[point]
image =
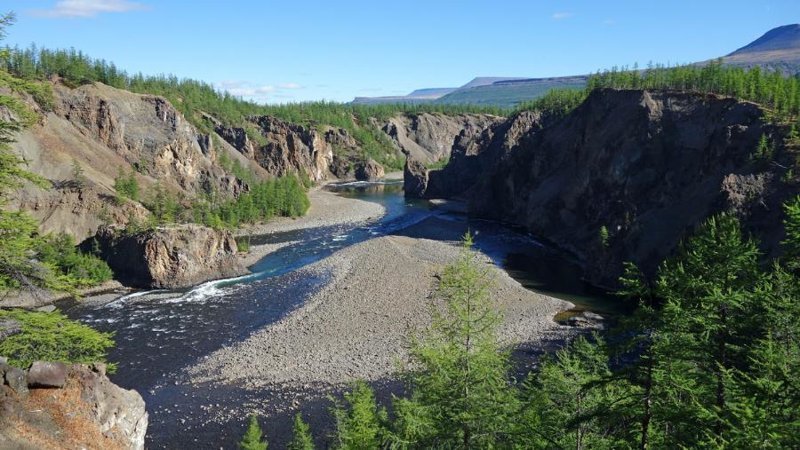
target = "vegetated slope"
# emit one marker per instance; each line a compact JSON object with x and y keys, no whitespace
{"x":778,"y":48}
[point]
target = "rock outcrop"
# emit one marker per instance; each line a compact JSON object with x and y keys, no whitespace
{"x":369,"y":170}
{"x":53,"y":405}
{"x":429,"y":137}
{"x":648,"y":166}
{"x":104,"y":130}
{"x":169,"y":257}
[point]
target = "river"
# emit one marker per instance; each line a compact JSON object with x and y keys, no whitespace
{"x":159,"y":333}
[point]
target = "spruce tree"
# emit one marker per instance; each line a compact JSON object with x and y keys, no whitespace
{"x":360,"y":423}
{"x":301,"y":435}
{"x":253,"y":437}
{"x":460,"y":396}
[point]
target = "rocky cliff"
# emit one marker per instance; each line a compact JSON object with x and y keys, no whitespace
{"x":433,"y":137}
{"x":169,"y":257}
{"x":103,"y":130}
{"x":646,"y":166}
{"x":52,"y":405}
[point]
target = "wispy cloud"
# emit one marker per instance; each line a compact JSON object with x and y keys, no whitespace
{"x":87,"y":8}
{"x":609,"y":22}
{"x":562,"y":15}
{"x":256,"y":91}
{"x":289,"y":86}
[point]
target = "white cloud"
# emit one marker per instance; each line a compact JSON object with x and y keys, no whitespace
{"x":88,"y":8}
{"x":609,"y":22}
{"x":257,"y":92}
{"x":562,"y":15}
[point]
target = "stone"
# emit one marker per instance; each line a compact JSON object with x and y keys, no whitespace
{"x":99,"y":368}
{"x":15,"y":379}
{"x":415,"y":178}
{"x":47,"y":374}
{"x":88,"y":412}
{"x":170,"y":257}
{"x":370,"y":171}
{"x":9,"y":327}
{"x":46,"y":308}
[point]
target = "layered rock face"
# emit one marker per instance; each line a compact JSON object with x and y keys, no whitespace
{"x":52,"y":405}
{"x":103,"y":130}
{"x":432,"y":137}
{"x":170,"y":257}
{"x":646,"y":166}
{"x":286,"y":147}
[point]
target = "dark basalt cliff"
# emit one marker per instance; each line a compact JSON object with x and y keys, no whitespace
{"x":646,"y":166}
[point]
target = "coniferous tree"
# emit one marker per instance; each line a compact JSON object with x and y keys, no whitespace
{"x":301,"y":435}
{"x":460,"y":396}
{"x":253,"y":436}
{"x":360,"y":423}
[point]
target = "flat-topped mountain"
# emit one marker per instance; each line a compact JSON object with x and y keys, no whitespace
{"x":777,"y":49}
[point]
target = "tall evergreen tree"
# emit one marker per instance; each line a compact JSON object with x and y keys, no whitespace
{"x":460,"y":396}
{"x":301,"y":435}
{"x":253,"y":436}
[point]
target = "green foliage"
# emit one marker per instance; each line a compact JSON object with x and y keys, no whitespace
{"x":126,"y":185}
{"x":52,"y":337}
{"x":283,"y":196}
{"x":438,"y":164}
{"x":78,"y":175}
{"x":17,"y":246}
{"x":566,"y":401}
{"x":791,"y":224}
{"x":301,"y":435}
{"x":252,"y":439}
{"x":73,"y":269}
{"x":459,"y":394}
{"x":769,"y":88}
{"x":163,"y":205}
{"x":360,"y":422}
{"x":603,"y":236}
{"x":556,"y":103}
{"x":243,"y":243}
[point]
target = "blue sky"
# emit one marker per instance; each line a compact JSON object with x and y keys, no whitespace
{"x":280,"y":51}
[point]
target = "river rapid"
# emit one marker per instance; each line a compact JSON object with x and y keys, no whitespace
{"x":161,"y":333}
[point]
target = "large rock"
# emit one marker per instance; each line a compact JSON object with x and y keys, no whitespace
{"x":415,"y":178}
{"x":648,"y":166}
{"x":88,"y":411}
{"x":431,"y":137}
{"x":170,"y":257}
{"x":47,"y":374}
{"x":370,"y":171}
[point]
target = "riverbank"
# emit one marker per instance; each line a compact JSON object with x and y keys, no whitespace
{"x":358,"y":325}
{"x":327,"y":209}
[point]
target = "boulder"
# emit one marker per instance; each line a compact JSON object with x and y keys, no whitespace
{"x":87,"y":411}
{"x":415,"y":178}
{"x":369,"y":170}
{"x":9,"y":327}
{"x":170,"y":257}
{"x":47,"y":374}
{"x":16,"y":380}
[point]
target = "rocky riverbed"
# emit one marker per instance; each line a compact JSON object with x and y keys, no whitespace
{"x":358,"y":325}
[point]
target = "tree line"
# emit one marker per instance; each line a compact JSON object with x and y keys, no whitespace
{"x":779,"y":93}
